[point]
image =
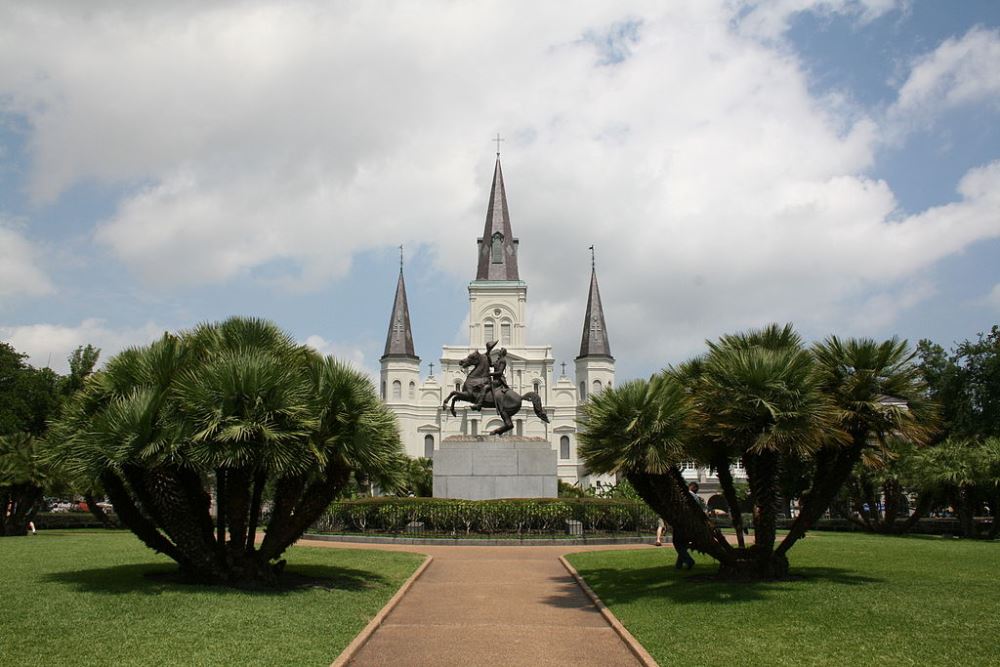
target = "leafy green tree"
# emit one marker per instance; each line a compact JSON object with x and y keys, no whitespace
{"x":416,"y":478}
{"x":960,"y":473}
{"x":29,"y":396}
{"x":25,"y":474}
{"x":214,"y":416}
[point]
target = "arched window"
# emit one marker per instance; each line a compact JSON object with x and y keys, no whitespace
{"x":428,"y":446}
{"x":497,"y":248}
{"x":413,"y":389}
{"x":383,"y":390}
{"x":564,"y":447}
{"x":397,"y":390}
{"x":596,"y":387}
{"x":536,"y":386}
{"x":583,"y":391}
{"x":505,"y":333}
{"x":458,"y":385}
{"x":488,"y":332}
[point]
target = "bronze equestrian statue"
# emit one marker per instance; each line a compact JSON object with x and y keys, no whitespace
{"x":489,"y":389}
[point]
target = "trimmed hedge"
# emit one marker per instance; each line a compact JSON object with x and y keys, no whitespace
{"x":514,"y":516}
{"x":61,"y":520}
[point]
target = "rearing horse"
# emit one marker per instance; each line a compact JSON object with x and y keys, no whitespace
{"x":508,"y":399}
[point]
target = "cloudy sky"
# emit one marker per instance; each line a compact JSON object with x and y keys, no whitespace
{"x":833,"y":163}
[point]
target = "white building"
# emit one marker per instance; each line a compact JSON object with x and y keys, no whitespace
{"x":497,"y":300}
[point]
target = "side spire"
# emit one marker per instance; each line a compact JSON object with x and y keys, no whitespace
{"x":594,"y":342}
{"x":497,"y":247}
{"x":399,"y":340}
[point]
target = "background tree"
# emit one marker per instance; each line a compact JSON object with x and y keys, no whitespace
{"x":28,"y":396}
{"x":25,"y":474}
{"x":223,"y":412}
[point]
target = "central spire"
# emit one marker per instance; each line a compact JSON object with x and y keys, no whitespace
{"x":497,"y":247}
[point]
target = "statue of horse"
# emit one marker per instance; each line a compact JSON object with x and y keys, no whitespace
{"x":508,"y":401}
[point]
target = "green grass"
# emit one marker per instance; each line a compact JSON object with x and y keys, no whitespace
{"x":862,"y":600}
{"x":83,"y":598}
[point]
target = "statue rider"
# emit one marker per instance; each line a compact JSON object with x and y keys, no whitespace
{"x":496,"y":378}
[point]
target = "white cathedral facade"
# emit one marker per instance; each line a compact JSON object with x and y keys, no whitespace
{"x":497,"y":300}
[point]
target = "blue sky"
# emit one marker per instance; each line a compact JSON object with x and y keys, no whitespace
{"x":834,"y":164}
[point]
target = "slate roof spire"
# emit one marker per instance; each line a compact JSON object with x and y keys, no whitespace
{"x":497,"y":247}
{"x":399,"y":339}
{"x":594,"y":342}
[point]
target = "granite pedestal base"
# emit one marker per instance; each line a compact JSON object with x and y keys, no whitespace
{"x":482,"y":467}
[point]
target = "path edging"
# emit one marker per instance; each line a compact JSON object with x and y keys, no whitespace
{"x":352,"y":649}
{"x":633,"y":644}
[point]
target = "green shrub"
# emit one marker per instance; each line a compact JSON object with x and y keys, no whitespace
{"x":514,"y":516}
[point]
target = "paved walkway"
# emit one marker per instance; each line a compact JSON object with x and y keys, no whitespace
{"x":492,"y":606}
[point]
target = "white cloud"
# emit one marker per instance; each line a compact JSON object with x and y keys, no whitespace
{"x":281,"y":140}
{"x":959,"y":72}
{"x":350,"y":354}
{"x":20,"y":274}
{"x":770,"y":18}
{"x":51,"y":344}
{"x":992,"y":299}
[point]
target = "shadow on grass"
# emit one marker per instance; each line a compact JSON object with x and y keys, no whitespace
{"x":154,"y":579}
{"x":618,"y":586}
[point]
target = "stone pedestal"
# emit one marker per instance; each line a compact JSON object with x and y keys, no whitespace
{"x":483,"y":467}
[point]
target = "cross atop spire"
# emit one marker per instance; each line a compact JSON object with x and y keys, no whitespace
{"x":594,"y":342}
{"x":498,"y":140}
{"x":399,"y":339}
{"x":498,"y":247}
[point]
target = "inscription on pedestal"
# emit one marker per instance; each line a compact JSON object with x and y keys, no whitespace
{"x":485,"y":467}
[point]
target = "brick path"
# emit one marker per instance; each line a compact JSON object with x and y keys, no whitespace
{"x":492,"y":606}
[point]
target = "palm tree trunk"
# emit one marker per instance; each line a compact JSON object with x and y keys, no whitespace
{"x":164,"y":496}
{"x":965,"y":512}
{"x":729,"y":493}
{"x":833,"y":466}
{"x":762,"y":471}
{"x":135,"y":521}
{"x":995,"y":507}
{"x":260,"y":479}
{"x":237,"y":509}
{"x":924,"y":503}
{"x":308,"y":508}
{"x":97,"y":511}
{"x":669,"y":497}
{"x":220,"y":509}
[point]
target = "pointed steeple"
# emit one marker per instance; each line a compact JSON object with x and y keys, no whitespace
{"x":497,"y":247}
{"x":399,"y":340}
{"x":594,"y":342}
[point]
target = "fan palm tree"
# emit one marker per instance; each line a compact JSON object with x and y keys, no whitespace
{"x":880,"y":398}
{"x":219,"y":414}
{"x":753,"y":397}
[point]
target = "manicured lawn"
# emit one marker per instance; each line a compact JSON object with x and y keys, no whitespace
{"x":83,"y":598}
{"x":863,"y":600}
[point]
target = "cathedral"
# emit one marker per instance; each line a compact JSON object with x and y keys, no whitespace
{"x":497,"y":300}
